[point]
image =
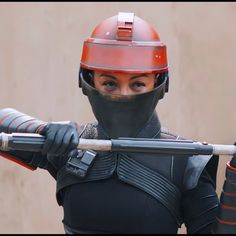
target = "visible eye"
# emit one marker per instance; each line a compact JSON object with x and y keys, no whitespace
{"x":109,"y":85}
{"x":138,"y":85}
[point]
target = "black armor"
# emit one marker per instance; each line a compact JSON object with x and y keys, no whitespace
{"x":163,"y":177}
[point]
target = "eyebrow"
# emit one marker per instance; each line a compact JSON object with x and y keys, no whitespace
{"x":110,"y":76}
{"x":137,"y":76}
{"x":133,"y":77}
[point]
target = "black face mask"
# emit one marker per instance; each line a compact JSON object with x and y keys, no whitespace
{"x":123,"y":116}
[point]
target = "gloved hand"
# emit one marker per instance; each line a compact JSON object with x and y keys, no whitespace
{"x":61,"y":138}
{"x":233,"y":160}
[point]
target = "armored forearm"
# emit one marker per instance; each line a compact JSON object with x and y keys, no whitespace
{"x":226,"y":215}
{"x":12,"y":120}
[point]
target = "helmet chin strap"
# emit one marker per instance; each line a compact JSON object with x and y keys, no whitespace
{"x":156,"y":80}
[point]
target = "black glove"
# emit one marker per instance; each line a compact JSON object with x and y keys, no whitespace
{"x":61,"y":138}
{"x":233,"y":160}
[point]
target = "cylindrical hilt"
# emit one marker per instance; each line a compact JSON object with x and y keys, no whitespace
{"x":21,"y":141}
{"x":34,"y":142}
{"x":162,"y":146}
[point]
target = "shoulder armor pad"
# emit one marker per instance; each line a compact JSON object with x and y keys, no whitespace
{"x":195,"y":164}
{"x":195,"y":167}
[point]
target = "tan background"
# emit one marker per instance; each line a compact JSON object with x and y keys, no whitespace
{"x":40,"y":49}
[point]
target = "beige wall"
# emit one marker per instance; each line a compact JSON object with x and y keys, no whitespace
{"x":40,"y":49}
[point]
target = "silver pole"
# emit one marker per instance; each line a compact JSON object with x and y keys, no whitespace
{"x":99,"y":144}
{"x":105,"y":145}
{"x":220,"y":149}
{"x":95,"y":144}
{"x":4,"y":141}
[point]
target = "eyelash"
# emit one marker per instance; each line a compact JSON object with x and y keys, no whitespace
{"x":109,"y":83}
{"x":139,"y":84}
{"x":113,"y":84}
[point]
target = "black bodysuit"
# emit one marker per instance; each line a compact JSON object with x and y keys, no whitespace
{"x":110,"y":204}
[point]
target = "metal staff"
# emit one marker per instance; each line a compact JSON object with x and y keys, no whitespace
{"x":34,"y":142}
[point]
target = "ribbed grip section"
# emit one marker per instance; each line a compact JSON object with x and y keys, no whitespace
{"x":13,"y":121}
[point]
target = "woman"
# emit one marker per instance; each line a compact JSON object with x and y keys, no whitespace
{"x":124,"y":73}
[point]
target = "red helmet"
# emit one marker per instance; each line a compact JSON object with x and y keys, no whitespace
{"x":124,"y":43}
